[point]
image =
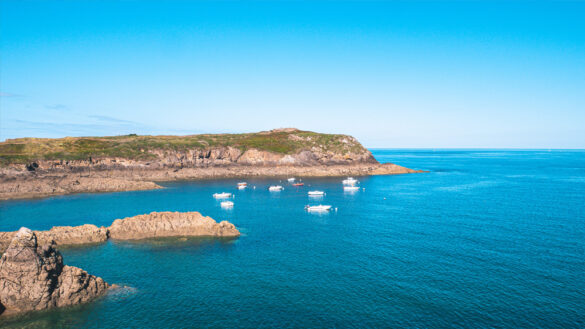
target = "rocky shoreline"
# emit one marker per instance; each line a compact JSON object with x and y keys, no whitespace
{"x":33,"y":276}
{"x":153,"y":225}
{"x":17,"y":184}
{"x":40,"y":167}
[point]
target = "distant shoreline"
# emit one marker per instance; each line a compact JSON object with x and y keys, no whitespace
{"x":37,"y":167}
{"x":32,"y":185}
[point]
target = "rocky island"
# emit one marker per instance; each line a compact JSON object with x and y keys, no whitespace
{"x":37,"y":167}
{"x":153,"y":225}
{"x":33,"y":278}
{"x":170,"y":224}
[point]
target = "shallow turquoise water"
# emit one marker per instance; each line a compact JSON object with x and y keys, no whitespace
{"x":487,"y":239}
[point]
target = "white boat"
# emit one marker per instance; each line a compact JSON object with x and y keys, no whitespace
{"x":223,"y":195}
{"x":275,"y":188}
{"x":227,"y":204}
{"x":318,"y":208}
{"x":316,"y":193}
{"x":292,"y":179}
{"x":351,"y":188}
{"x":242,"y":185}
{"x":349,"y":181}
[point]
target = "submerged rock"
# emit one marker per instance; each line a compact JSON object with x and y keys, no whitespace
{"x":170,"y":224}
{"x":33,"y":278}
{"x":62,"y":235}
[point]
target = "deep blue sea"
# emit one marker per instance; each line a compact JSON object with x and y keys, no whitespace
{"x":486,"y":239}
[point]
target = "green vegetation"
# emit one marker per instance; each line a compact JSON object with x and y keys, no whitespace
{"x":25,"y":150}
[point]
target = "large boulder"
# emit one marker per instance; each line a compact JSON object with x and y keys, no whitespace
{"x":170,"y":224}
{"x":33,"y":278}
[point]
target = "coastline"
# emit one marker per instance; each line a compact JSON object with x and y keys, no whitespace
{"x":40,"y":184}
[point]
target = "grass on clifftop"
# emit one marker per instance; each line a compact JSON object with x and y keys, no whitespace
{"x":286,"y":141}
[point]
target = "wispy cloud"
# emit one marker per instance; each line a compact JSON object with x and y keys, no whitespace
{"x":58,"y":107}
{"x":5,"y":94}
{"x":97,"y":126}
{"x":105,"y":118}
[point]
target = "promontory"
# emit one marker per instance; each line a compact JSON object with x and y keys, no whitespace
{"x":37,"y":167}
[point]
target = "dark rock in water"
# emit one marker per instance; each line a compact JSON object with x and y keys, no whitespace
{"x":33,"y":278}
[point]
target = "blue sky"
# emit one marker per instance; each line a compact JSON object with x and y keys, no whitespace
{"x":394,"y":74}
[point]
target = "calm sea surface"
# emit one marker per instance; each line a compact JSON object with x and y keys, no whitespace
{"x":486,"y":239}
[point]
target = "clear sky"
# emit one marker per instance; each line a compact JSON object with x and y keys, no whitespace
{"x":393,"y":74}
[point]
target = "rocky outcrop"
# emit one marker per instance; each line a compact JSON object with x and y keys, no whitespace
{"x":153,"y":225}
{"x":62,"y":235}
{"x":33,"y":277}
{"x":170,"y":224}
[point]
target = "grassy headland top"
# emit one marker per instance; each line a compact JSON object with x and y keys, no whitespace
{"x":284,"y":141}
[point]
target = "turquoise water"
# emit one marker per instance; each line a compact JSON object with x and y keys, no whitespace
{"x":487,"y":239}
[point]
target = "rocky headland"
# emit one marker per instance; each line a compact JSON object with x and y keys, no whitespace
{"x":34,"y":167}
{"x":33,"y":278}
{"x":153,"y":225}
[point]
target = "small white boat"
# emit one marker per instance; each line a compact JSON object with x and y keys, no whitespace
{"x":275,"y":188}
{"x":223,"y":195}
{"x":316,"y":193}
{"x":227,"y":204}
{"x":242,"y":185}
{"x":292,"y":179}
{"x":349,"y":181}
{"x":351,"y":188}
{"x":318,"y":208}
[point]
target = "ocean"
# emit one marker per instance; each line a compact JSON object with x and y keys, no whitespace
{"x":485,"y":239}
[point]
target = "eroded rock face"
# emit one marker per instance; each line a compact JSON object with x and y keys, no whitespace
{"x":170,"y":224}
{"x":62,"y":235}
{"x":33,"y":278}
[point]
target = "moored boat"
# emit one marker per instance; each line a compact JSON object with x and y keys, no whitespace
{"x":316,"y":193}
{"x":227,"y":204}
{"x":349,"y":181}
{"x":351,"y":188}
{"x":222,"y":195}
{"x":318,"y":208}
{"x":298,"y":184}
{"x":275,"y":188}
{"x":242,"y":185}
{"x":292,"y":179}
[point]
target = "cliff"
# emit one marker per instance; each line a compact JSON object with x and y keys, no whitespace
{"x":36,"y":167}
{"x":275,"y":147}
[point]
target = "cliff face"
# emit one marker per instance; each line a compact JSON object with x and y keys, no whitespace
{"x":33,"y":278}
{"x":36,"y":167}
{"x":284,"y":147}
